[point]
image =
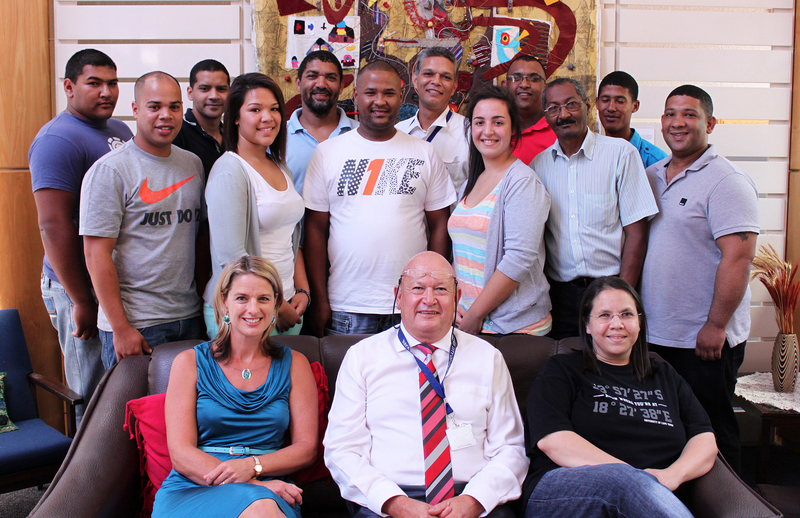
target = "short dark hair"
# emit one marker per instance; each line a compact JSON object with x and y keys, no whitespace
{"x":137,"y":86}
{"x":623,"y":79}
{"x":529,"y":59}
{"x":320,"y":55}
{"x":640,"y":356}
{"x":233,"y":105}
{"x":207,"y":65}
{"x":476,"y":164}
{"x":380,"y":65}
{"x":432,"y":52}
{"x":85,"y":57}
{"x":563,"y":81}
{"x":697,"y":93}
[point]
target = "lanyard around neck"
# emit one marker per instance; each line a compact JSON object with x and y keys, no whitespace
{"x":438,"y":386}
{"x":436,"y":131}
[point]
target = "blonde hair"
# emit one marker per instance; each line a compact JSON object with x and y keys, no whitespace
{"x":245,"y":265}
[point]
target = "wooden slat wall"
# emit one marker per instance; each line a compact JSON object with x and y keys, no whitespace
{"x":741,"y":52}
{"x":141,"y":37}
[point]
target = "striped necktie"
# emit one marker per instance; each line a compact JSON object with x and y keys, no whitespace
{"x":438,"y":469}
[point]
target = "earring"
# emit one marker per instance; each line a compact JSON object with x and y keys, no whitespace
{"x":226,"y":319}
{"x":273,"y":320}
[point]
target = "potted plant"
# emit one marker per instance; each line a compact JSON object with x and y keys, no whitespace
{"x":780,"y":279}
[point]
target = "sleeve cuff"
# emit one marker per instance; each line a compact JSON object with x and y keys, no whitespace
{"x":380,"y":493}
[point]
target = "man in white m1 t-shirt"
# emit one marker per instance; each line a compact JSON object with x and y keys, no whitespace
{"x":368,"y":194}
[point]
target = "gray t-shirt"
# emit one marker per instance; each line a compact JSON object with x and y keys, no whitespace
{"x":711,"y":199}
{"x":153,"y":206}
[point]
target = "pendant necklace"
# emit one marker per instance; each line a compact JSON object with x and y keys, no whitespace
{"x":247,"y":373}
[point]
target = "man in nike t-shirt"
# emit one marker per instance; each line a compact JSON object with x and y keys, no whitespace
{"x":140,"y":214}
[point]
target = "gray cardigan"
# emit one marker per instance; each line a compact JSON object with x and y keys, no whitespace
{"x":233,"y":217}
{"x":515,"y":246}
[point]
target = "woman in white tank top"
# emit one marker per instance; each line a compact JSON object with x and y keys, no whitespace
{"x":253,"y":207}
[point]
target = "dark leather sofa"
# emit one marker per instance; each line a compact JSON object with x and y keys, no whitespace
{"x":100,"y":475}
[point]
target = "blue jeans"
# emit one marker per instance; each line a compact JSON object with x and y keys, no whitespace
{"x":606,"y":490}
{"x":83,"y":365}
{"x":344,"y":323}
{"x":212,"y":329}
{"x":187,"y":329}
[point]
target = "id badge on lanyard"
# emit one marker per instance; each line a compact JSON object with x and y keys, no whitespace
{"x":458,"y":435}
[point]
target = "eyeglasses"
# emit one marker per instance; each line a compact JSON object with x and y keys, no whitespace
{"x":438,"y":275}
{"x":532,"y":78}
{"x":555,"y":109}
{"x":625,"y":317}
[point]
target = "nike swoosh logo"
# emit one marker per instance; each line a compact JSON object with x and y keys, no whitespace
{"x":148,"y":196}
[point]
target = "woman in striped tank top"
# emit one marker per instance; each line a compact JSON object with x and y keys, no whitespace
{"x":497,"y":227}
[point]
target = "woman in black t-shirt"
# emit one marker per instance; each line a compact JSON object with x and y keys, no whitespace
{"x":612,"y":432}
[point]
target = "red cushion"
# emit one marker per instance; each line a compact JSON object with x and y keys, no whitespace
{"x":149,"y":428}
{"x":318,"y":469}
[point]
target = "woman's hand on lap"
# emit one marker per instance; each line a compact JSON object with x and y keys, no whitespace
{"x":289,"y":492}
{"x":231,"y":471}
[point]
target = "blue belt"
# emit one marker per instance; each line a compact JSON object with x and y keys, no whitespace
{"x":237,"y":450}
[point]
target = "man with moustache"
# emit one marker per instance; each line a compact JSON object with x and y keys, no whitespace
{"x":525,"y":82}
{"x":63,"y":150}
{"x":695,"y":281}
{"x":425,"y":375}
{"x":617,"y":101}
{"x":600,"y":202}
{"x":434,"y":79}
{"x":319,"y":81}
{"x":201,"y":131}
{"x":368,"y":194}
{"x":141,"y":209}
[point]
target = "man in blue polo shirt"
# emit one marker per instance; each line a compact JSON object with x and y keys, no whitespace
{"x":319,"y":81}
{"x":617,"y":101}
{"x":63,"y":150}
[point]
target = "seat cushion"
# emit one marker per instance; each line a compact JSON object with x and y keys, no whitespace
{"x":34,"y":445}
{"x":145,"y":421}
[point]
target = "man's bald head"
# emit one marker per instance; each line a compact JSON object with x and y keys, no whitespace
{"x":157,"y":76}
{"x":427,"y":297}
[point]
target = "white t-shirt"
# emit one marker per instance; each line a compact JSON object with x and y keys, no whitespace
{"x":278,"y":214}
{"x":377,"y":194}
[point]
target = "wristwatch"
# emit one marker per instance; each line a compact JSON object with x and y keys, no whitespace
{"x":258,"y":466}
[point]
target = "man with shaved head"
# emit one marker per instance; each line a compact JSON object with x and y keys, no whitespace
{"x":368,"y":195}
{"x":393,"y":445}
{"x":141,"y":209}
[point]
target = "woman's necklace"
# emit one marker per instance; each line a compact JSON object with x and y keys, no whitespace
{"x":247,"y":373}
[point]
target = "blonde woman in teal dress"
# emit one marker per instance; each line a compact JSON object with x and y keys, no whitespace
{"x":243,"y":392}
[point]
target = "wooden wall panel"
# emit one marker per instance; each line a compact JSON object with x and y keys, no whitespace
{"x":177,"y":59}
{"x":150,"y":22}
{"x":763,"y":4}
{"x":737,"y":103}
{"x":25,"y":105}
{"x":770,"y":177}
{"x":751,"y":140}
{"x":684,"y":65}
{"x":706,"y":27}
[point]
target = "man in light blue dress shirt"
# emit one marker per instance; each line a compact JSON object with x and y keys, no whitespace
{"x":601,"y":200}
{"x":319,"y":81}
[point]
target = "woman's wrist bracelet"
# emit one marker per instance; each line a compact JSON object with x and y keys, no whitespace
{"x":307,"y":294}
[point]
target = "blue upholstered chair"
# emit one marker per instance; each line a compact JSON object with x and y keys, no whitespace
{"x":31,"y":455}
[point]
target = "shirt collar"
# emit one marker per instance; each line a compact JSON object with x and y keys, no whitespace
{"x":539,"y":126}
{"x":294,"y":126}
{"x":661,"y":167}
{"x":587,"y":147}
{"x":441,"y":120}
{"x":189,"y":117}
{"x":636,"y":140}
{"x":443,"y":343}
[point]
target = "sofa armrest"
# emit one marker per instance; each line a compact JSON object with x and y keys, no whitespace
{"x":100,"y":475}
{"x":720,"y":493}
{"x":64,"y":393}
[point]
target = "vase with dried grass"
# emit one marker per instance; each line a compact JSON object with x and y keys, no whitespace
{"x":780,"y":279}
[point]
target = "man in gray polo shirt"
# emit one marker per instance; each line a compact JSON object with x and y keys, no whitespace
{"x":696,"y":272}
